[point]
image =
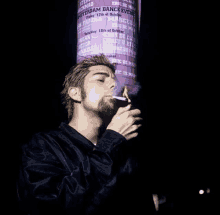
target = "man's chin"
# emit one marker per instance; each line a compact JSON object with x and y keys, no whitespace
{"x":107,"y":109}
{"x":107,"y":116}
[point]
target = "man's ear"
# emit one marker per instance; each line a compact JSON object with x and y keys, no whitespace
{"x":75,"y":94}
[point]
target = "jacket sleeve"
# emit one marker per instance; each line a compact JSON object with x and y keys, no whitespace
{"x":104,"y":158}
{"x":45,"y":186}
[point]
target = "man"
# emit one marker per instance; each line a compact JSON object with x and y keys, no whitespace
{"x":83,"y":167}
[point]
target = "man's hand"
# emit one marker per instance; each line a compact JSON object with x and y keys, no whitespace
{"x":123,"y":122}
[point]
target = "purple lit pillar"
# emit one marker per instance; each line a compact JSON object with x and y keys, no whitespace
{"x":110,"y":27}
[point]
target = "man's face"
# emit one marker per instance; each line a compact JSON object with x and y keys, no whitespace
{"x":98,"y":86}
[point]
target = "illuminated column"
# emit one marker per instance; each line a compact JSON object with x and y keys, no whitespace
{"x":110,"y":27}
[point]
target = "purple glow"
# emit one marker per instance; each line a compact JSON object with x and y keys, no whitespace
{"x":110,"y":27}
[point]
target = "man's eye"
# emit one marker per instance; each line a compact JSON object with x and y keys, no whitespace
{"x":101,"y":80}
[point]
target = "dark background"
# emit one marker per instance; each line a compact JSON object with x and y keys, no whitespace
{"x":177,"y":136}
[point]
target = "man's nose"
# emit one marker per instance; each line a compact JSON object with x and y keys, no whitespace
{"x":110,"y":88}
{"x":112,"y":85}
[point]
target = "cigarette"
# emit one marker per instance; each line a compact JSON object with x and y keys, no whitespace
{"x":120,"y":98}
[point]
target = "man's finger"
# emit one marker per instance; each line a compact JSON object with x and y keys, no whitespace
{"x":123,"y":109}
{"x":138,"y":119}
{"x":134,"y":112}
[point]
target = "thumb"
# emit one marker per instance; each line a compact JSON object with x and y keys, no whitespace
{"x":123,"y":109}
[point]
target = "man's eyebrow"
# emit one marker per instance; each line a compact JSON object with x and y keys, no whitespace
{"x":103,"y":73}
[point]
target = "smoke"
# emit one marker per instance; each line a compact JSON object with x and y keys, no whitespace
{"x":118,"y":90}
{"x":132,"y":89}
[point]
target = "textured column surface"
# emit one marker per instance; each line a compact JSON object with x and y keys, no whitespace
{"x":110,"y":27}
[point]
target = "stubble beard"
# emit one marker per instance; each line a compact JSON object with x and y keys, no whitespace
{"x":107,"y":109}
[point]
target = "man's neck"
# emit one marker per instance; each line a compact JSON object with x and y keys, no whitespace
{"x":87,"y":125}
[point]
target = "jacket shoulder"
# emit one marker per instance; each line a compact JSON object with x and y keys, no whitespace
{"x":43,"y":135}
{"x":41,"y":144}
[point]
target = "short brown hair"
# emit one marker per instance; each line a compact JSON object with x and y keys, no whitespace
{"x":76,"y":77}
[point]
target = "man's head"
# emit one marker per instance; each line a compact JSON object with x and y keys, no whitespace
{"x":89,"y":84}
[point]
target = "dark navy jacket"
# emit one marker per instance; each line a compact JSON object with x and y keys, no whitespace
{"x":62,"y":172}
